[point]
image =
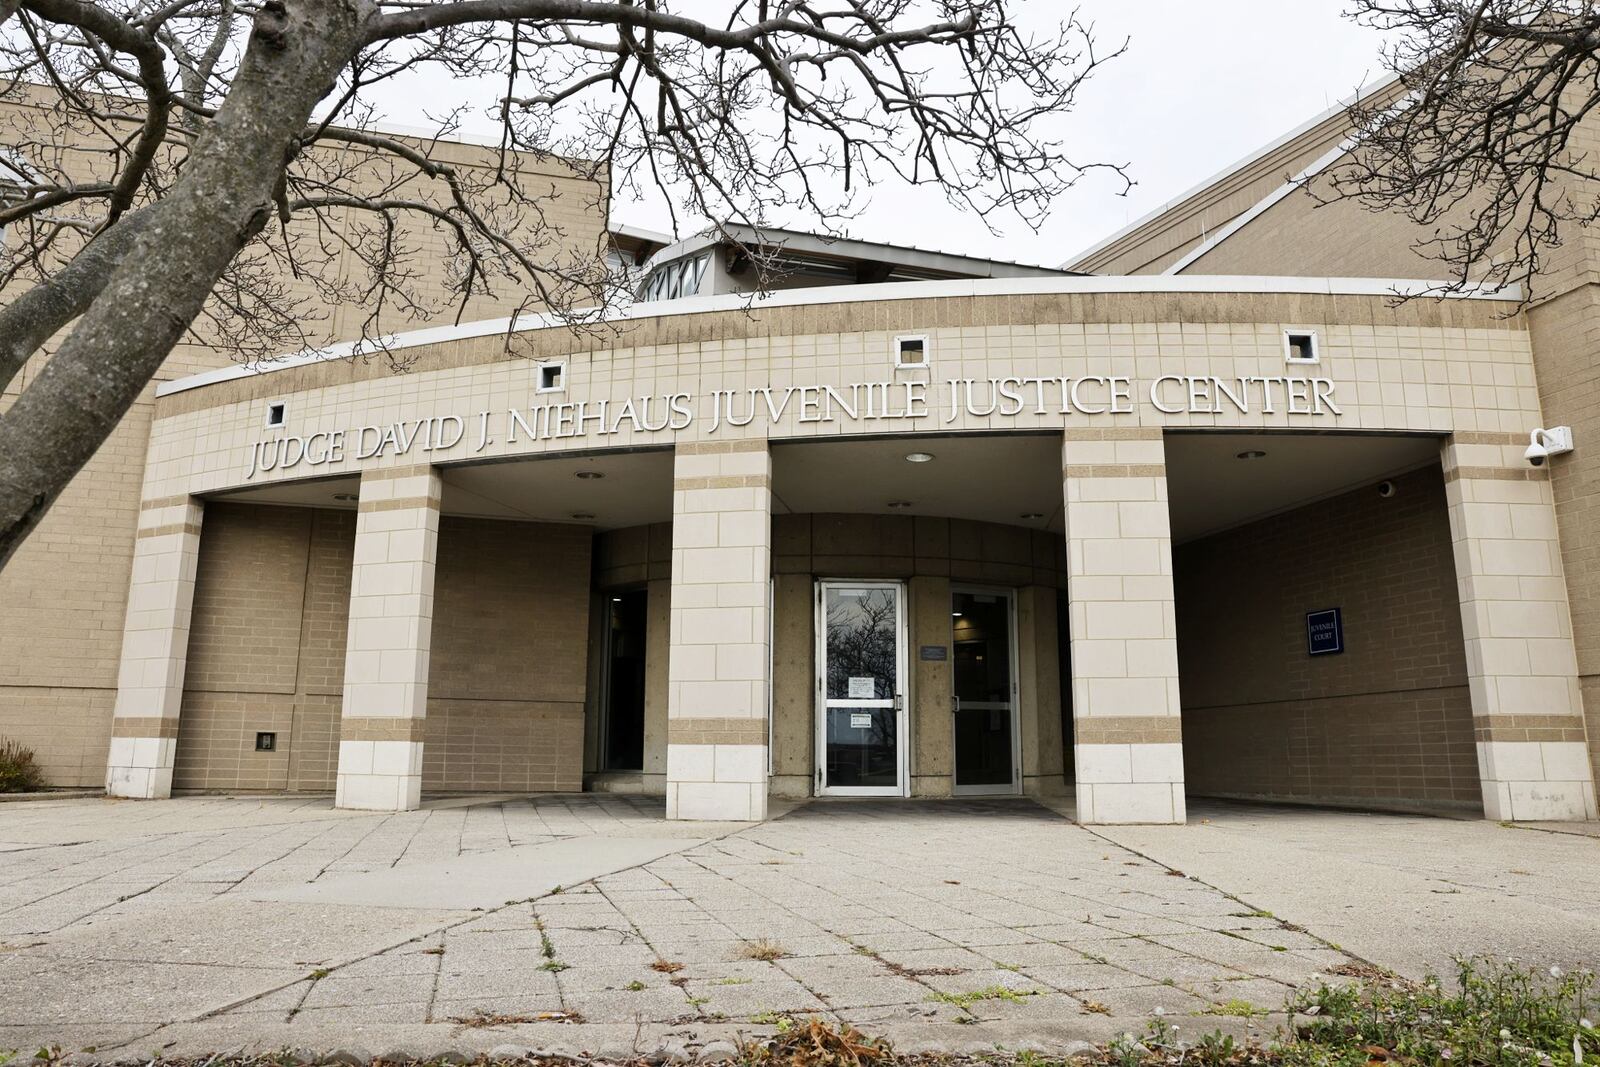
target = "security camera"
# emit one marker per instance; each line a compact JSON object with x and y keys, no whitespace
{"x":1386,"y":489}
{"x":1544,"y":443}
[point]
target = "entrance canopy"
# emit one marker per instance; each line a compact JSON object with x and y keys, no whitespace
{"x":1216,"y":481}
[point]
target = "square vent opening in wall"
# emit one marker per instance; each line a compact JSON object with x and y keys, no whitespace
{"x":552,"y":377}
{"x":911,"y":350}
{"x":277,"y":411}
{"x":1300,"y":346}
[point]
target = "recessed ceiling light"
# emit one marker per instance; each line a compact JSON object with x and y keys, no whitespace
{"x":589,"y":476}
{"x":919,"y":457}
{"x":955,"y":614}
{"x":347,"y":497}
{"x":898,"y":504}
{"x":582,"y":516}
{"x":1031,"y":515}
{"x":1254,"y":453}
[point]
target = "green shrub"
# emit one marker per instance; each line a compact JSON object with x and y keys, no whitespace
{"x":18,"y":772}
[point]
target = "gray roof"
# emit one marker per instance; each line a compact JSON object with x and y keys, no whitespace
{"x":903,"y":261}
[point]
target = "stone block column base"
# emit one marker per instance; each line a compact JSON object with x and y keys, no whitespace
{"x":1536,"y":781}
{"x":379,"y":775}
{"x":140,"y":768}
{"x":1132,"y":783}
{"x":717,"y":782}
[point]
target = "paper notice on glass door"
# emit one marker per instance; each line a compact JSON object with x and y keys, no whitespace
{"x":862,"y":689}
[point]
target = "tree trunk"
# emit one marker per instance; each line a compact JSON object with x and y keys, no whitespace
{"x":182,"y":245}
{"x":35,"y":316}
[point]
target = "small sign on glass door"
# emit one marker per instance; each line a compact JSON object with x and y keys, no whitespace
{"x":862,"y":689}
{"x":861,"y":720}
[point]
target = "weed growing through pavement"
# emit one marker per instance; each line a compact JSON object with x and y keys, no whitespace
{"x":994,"y":992}
{"x":547,"y":949}
{"x":1216,"y":1049}
{"x":1497,"y":1012}
{"x":762,"y":949}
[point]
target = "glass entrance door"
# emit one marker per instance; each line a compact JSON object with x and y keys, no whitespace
{"x":623,"y":737}
{"x":861,"y":749}
{"x":984,"y":691}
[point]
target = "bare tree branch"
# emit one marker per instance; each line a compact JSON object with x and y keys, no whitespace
{"x":1481,"y":146}
{"x":214,"y":172}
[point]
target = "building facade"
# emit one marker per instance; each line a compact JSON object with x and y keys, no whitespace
{"x":921,"y":526}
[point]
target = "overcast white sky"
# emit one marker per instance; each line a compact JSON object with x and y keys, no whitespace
{"x":1204,"y":83}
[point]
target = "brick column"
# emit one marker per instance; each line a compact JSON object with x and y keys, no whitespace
{"x":1128,"y":744}
{"x":1521,"y":666}
{"x":155,"y":649}
{"x":718,"y":662}
{"x":391,"y":630}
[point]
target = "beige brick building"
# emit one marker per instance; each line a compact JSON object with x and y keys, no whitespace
{"x":1219,"y":519}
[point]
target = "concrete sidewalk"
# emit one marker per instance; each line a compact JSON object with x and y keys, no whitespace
{"x":1407,"y":892}
{"x":590,"y":923}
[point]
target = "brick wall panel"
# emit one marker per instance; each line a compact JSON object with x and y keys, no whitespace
{"x":1390,"y":718}
{"x":64,"y":596}
{"x":249,"y":592}
{"x":268,"y":643}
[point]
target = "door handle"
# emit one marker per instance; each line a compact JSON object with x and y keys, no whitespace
{"x":955,"y":705}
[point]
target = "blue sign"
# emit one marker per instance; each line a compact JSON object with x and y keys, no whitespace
{"x":1324,"y":632}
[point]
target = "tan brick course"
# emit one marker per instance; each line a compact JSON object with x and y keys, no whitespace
{"x":715,"y":731}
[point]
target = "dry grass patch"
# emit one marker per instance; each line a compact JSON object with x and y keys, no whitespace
{"x":814,"y":1043}
{"x":765,"y":950}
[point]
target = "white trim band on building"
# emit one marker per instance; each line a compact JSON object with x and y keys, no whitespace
{"x":851,"y":294}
